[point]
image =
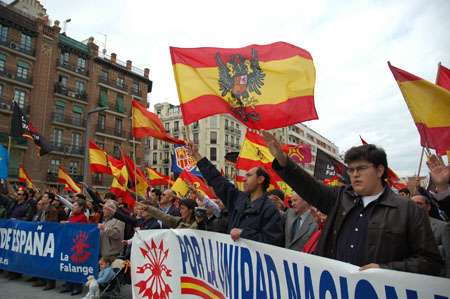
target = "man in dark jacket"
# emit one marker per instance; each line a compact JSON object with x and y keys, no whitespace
{"x":368,"y":224}
{"x":252,"y":215}
{"x":19,"y":207}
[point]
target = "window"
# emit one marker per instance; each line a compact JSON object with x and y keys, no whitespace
{"x":213,"y":154}
{"x":167,"y":127}
{"x":158,"y":112}
{"x":101,"y":120}
{"x":120,"y":83}
{"x":175,"y":126}
{"x":166,"y":171}
{"x":213,"y":137}
{"x":64,"y":58}
{"x":232,"y":140}
{"x":226,"y":139}
{"x":118,"y":126}
{"x":2,"y":62}
{"x":54,"y":165}
{"x":25,"y":43}
{"x":57,"y":137}
{"x":213,"y":122}
{"x":116,"y":152}
{"x":120,"y":107}
{"x":76,"y":119}
{"x":103,"y":75}
{"x":196,"y":125}
{"x":196,"y":138}
{"x":135,"y":87}
{"x":22,"y":69}
{"x":155,"y":144}
{"x":166,"y":156}
{"x":79,"y":86}
{"x":103,"y":98}
{"x":155,"y":158}
{"x":73,"y":168}
{"x":1,"y":91}
{"x":75,"y":140}
{"x":81,"y":64}
{"x":100,"y":145}
{"x":226,"y":124}
{"x":59,"y":110}
{"x":19,"y":96}
{"x":3,"y":34}
{"x":63,"y":80}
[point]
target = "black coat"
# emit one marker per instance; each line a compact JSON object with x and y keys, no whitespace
{"x":27,"y":211}
{"x":261,"y":222}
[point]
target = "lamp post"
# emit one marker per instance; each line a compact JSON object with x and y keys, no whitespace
{"x":86,"y":140}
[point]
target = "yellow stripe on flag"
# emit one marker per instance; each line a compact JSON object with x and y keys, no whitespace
{"x":188,"y":285}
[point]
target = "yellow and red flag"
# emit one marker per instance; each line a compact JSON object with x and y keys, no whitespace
{"x":98,"y":159}
{"x":117,"y":168}
{"x":136,"y":175}
{"x":443,"y":77}
{"x":146,"y":123}
{"x":180,"y":185}
{"x":65,"y":178}
{"x":119,"y":187}
{"x":429,"y":105}
{"x":263,"y":86}
{"x":158,"y":179}
{"x":24,"y":178}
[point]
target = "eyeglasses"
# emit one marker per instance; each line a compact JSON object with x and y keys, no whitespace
{"x":359,"y":169}
{"x":21,"y":194}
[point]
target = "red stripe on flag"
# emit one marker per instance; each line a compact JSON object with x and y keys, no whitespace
{"x":436,"y":137}
{"x":208,"y":105}
{"x":201,"y":283}
{"x":271,"y":52}
{"x":401,"y":75}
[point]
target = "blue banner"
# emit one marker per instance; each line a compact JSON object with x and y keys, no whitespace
{"x":67,"y":252}
{"x":181,"y":160}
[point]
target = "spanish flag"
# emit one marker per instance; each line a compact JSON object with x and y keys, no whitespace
{"x":443,"y":77}
{"x":146,"y":123}
{"x":119,"y":185}
{"x":136,"y":175}
{"x":199,"y":288}
{"x":24,"y":178}
{"x":64,"y":177}
{"x":158,"y":179}
{"x":429,"y":105}
{"x":118,"y":169}
{"x":180,"y":185}
{"x":263,"y":86}
{"x":98,"y":159}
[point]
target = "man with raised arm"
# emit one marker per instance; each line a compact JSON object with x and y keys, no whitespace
{"x":252,"y":215}
{"x":368,"y":224}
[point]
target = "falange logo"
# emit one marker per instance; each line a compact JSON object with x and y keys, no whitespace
{"x":79,"y":255}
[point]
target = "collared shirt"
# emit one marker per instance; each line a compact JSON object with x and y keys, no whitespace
{"x":351,"y":242}
{"x":166,"y":209}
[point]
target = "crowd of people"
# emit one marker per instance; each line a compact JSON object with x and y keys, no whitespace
{"x":364,"y":223}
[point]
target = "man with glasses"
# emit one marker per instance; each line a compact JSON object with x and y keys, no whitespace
{"x":368,"y":224}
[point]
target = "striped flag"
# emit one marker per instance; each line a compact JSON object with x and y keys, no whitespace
{"x":146,"y":123}
{"x":64,"y":177}
{"x":429,"y":105}
{"x":443,"y":77}
{"x":24,"y":178}
{"x":158,"y":179}
{"x":136,"y":175}
{"x":180,"y":185}
{"x":263,"y":86}
{"x":98,"y":159}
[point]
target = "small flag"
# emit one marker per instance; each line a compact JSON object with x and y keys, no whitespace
{"x":180,"y":185}
{"x":24,"y":178}
{"x":136,"y":175}
{"x":64,"y":177}
{"x":327,"y":168}
{"x":98,"y":159}
{"x":22,"y":127}
{"x":158,"y":179}
{"x":182,"y":160}
{"x":146,"y":123}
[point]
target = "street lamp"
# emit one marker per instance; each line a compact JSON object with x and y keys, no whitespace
{"x":86,"y":140}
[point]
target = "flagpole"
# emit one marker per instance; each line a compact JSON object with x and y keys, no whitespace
{"x":439,"y":70}
{"x":420,"y":165}
{"x":135,"y":176}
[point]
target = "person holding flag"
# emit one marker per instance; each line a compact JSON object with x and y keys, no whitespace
{"x":368,"y":224}
{"x":252,"y":215}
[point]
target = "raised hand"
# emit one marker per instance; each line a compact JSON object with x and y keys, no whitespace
{"x":440,"y":173}
{"x":275,"y":147}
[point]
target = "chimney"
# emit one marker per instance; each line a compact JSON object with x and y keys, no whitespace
{"x":93,"y":48}
{"x":146,"y":72}
{"x":113,"y":57}
{"x":129,"y":63}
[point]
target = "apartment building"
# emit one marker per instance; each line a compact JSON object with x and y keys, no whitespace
{"x":58,"y":82}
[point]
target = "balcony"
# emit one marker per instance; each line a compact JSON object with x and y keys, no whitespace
{"x":12,"y":74}
{"x":75,"y":94}
{"x":72,"y":67}
{"x":135,"y":92}
{"x":68,"y":149}
{"x":61,"y":118}
{"x":111,"y":131}
{"x":112,"y":83}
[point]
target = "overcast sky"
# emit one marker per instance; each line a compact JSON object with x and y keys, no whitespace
{"x":350,"y":42}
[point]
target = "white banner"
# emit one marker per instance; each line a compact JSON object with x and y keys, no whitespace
{"x":189,"y":263}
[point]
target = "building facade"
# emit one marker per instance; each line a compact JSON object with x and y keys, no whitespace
{"x":58,"y":81}
{"x":221,"y":134}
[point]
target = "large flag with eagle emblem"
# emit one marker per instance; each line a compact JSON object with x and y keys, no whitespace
{"x":263,"y":86}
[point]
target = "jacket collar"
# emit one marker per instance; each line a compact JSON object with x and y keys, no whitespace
{"x":387,"y":198}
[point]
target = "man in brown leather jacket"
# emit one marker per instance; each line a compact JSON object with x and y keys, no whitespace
{"x":368,"y":224}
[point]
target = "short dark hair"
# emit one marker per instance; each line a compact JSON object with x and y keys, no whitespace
{"x":157,"y":192}
{"x":110,"y":195}
{"x":276,"y":192}
{"x":405,"y":190}
{"x":370,"y":153}
{"x":262,"y":172}
{"x":107,"y":259}
{"x":51,"y":196}
{"x":81,"y":196}
{"x":82,"y":204}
